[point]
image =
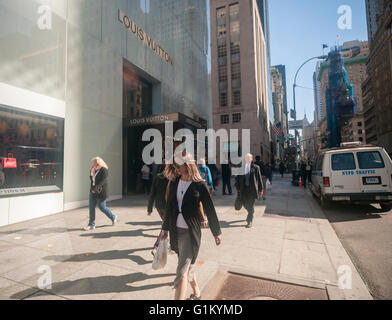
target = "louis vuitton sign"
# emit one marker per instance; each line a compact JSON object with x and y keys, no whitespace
{"x":143,"y":36}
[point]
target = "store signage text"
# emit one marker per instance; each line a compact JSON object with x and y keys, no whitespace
{"x":143,"y":36}
{"x":157,"y":119}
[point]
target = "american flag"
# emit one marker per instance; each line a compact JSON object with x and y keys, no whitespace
{"x":278,"y":129}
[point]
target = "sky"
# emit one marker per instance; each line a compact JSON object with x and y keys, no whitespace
{"x":298,"y":29}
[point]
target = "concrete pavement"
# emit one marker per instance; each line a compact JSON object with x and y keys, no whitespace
{"x":291,"y":241}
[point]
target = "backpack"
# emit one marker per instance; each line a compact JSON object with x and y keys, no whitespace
{"x":203,"y":173}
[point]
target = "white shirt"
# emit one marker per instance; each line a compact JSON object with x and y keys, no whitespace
{"x":181,"y":190}
{"x":247,"y":168}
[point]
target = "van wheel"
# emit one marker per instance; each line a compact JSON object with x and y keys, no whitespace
{"x":386,"y":206}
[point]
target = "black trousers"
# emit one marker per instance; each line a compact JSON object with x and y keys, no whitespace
{"x":226,"y":182}
{"x":248,"y":200}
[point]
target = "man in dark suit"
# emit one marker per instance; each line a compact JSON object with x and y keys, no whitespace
{"x":249,"y":187}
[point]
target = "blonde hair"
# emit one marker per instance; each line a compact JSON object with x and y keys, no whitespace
{"x":170,"y":172}
{"x":100,"y":162}
{"x":191,"y":167}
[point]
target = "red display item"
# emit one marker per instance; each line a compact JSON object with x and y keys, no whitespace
{"x":9,"y":162}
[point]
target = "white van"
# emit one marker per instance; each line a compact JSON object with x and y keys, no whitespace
{"x":357,"y":173}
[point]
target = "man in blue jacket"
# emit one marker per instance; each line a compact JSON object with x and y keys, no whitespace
{"x":206,"y":174}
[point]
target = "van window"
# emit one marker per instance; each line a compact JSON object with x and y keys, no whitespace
{"x":370,"y":160}
{"x":343,"y":161}
{"x":319,"y":166}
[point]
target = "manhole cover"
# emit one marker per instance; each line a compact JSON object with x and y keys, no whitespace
{"x":237,"y":287}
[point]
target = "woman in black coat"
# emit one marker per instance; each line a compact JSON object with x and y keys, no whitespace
{"x":99,"y":191}
{"x":182,"y":221}
{"x":158,"y":194}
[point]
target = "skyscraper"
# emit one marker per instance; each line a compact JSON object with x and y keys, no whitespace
{"x":355,"y":54}
{"x":282,"y":71}
{"x":318,"y":106}
{"x":373,"y":10}
{"x":240,"y":90}
{"x":377,"y":89}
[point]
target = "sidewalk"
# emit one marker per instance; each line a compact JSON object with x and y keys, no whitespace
{"x":291,"y":241}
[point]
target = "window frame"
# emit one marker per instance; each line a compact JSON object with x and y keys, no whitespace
{"x":343,"y":154}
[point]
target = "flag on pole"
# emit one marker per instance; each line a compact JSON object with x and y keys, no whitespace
{"x":278,"y":129}
{"x":325,"y":46}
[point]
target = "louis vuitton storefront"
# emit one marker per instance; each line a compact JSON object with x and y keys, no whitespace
{"x":80,"y":79}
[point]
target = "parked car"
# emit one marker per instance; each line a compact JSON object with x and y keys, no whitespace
{"x":353,"y":173}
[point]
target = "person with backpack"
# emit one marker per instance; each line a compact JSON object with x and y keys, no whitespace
{"x":205,"y":173}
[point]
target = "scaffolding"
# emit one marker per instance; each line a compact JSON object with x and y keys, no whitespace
{"x":340,"y":99}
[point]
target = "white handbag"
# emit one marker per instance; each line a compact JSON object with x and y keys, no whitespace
{"x":160,"y":258}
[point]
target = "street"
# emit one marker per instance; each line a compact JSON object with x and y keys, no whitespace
{"x":366,"y":233}
{"x":291,"y":243}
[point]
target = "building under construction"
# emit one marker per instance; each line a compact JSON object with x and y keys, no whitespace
{"x":340,"y":99}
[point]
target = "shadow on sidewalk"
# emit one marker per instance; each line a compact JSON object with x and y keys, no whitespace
{"x":100,"y":285}
{"x":40,"y":231}
{"x":131,"y":233}
{"x":104,"y":255}
{"x":145,"y":223}
{"x":230,"y":224}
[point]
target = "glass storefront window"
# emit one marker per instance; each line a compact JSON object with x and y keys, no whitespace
{"x":31,"y":152}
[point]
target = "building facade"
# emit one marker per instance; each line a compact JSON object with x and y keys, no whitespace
{"x":373,"y":11}
{"x":239,"y":77}
{"x":355,"y":54}
{"x":278,"y":95}
{"x":308,"y":140}
{"x":80,"y":79}
{"x":282,"y":71}
{"x":377,"y":89}
{"x":318,"y":106}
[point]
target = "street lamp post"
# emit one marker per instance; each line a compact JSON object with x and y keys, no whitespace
{"x":295,"y":108}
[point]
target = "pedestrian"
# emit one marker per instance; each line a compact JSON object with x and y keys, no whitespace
{"x":269,"y":172}
{"x":158,"y":194}
{"x":215,"y":175}
{"x":282,"y":168}
{"x":146,"y":176}
{"x":304,"y":174}
{"x":264,"y":174}
{"x":99,"y":192}
{"x":226,"y":179}
{"x":249,"y":187}
{"x":205,"y":173}
{"x":309,"y":168}
{"x":182,"y":221}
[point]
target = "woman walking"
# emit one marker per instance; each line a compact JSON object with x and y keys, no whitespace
{"x":159,"y":193}
{"x":99,"y":191}
{"x":182,"y":221}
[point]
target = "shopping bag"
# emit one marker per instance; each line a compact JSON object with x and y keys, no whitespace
{"x":269,"y":185}
{"x":238,"y":203}
{"x":9,"y":162}
{"x":160,"y":258}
